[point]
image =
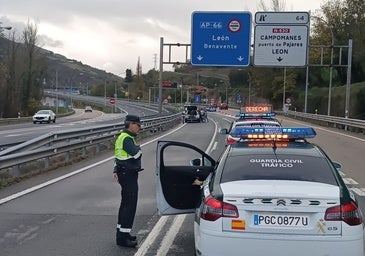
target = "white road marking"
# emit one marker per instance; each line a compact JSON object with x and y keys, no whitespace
{"x":151,"y":236}
{"x":350,"y":181}
{"x":170,"y":235}
{"x":358,"y":191}
{"x":175,"y":227}
{"x":214,"y":146}
{"x":29,"y":190}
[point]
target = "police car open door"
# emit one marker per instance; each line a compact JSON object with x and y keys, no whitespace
{"x":177,"y":166}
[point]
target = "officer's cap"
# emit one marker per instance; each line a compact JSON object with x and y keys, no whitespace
{"x":132,"y":118}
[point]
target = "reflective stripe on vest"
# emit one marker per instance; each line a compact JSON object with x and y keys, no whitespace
{"x":119,"y":151}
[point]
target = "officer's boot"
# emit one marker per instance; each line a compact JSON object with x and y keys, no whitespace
{"x":125,"y":239}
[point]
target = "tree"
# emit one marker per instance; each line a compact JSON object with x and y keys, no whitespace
{"x":13,"y":83}
{"x":128,"y":76}
{"x":346,"y":20}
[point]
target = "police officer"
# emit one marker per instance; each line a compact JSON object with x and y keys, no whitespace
{"x":127,"y":165}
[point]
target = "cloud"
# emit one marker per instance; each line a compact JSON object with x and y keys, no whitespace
{"x":46,"y":41}
{"x":112,"y":34}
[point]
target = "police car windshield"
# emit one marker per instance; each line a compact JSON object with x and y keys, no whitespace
{"x":280,"y":167}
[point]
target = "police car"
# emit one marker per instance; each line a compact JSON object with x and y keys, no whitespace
{"x":271,"y":193}
{"x":251,"y":116}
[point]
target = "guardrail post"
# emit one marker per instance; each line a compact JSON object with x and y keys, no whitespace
{"x":67,"y":156}
{"x":46,"y":162}
{"x":16,"y":171}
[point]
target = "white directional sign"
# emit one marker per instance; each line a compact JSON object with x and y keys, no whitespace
{"x":281,"y":39}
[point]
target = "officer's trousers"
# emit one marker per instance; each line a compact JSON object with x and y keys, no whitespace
{"x":129,"y":196}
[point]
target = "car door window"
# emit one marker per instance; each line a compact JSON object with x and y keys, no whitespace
{"x":177,"y":174}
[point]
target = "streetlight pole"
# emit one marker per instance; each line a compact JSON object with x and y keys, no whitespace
{"x":226,"y":92}
{"x":249,"y":88}
{"x":348,"y":82}
{"x":57,"y":91}
{"x":105,"y":92}
{"x":284,"y":89}
{"x":115,"y":96}
{"x":330,"y":82}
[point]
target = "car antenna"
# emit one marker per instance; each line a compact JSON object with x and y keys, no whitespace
{"x":274,"y":147}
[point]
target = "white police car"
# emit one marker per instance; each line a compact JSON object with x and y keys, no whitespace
{"x":271,"y":193}
{"x":259,"y":120}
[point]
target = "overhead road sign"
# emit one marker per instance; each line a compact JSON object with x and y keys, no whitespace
{"x":281,"y":39}
{"x":221,"y":38}
{"x":281,"y":18}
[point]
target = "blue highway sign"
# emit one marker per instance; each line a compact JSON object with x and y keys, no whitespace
{"x":221,"y":38}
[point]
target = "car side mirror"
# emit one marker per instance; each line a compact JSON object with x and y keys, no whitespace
{"x":223,"y":131}
{"x":195,"y":162}
{"x":338,"y":166}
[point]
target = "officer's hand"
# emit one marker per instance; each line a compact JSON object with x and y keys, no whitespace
{"x":115,"y":176}
{"x":197,"y":182}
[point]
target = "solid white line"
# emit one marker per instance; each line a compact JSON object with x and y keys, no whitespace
{"x":176,"y":225}
{"x":170,"y":235}
{"x":29,"y":190}
{"x":151,"y":236}
{"x":32,"y":189}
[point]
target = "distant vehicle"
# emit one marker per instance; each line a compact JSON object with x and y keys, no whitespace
{"x":191,"y":114}
{"x":88,"y":109}
{"x":44,"y":116}
{"x":223,"y":106}
{"x":271,"y":193}
{"x":211,"y":109}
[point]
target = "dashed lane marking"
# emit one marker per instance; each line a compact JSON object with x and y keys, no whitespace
{"x":350,"y":181}
{"x":358,"y":191}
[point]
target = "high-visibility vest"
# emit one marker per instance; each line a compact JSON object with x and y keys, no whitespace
{"x":119,"y":151}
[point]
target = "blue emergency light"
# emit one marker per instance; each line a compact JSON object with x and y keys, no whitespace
{"x":273,"y":132}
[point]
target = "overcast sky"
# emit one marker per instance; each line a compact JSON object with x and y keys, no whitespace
{"x":112,"y":34}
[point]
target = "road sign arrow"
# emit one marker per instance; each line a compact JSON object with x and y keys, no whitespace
{"x":240,"y":58}
{"x":280,"y":59}
{"x":199,"y":57}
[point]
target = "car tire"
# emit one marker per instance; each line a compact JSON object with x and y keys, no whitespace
{"x":54,"y":120}
{"x":34,"y":122}
{"x":49,"y":120}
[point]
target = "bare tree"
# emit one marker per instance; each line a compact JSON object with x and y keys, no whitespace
{"x":13,"y":83}
{"x":276,"y":5}
{"x":35,"y":71}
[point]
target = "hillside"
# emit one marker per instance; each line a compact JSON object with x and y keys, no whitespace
{"x":70,"y":72}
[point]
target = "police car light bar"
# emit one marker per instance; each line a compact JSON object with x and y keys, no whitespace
{"x":274,"y":133}
{"x":257,"y":115}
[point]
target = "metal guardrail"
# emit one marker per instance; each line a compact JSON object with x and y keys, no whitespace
{"x":347,"y":124}
{"x":40,"y":153}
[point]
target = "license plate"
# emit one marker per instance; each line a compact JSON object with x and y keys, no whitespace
{"x":275,"y":220}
